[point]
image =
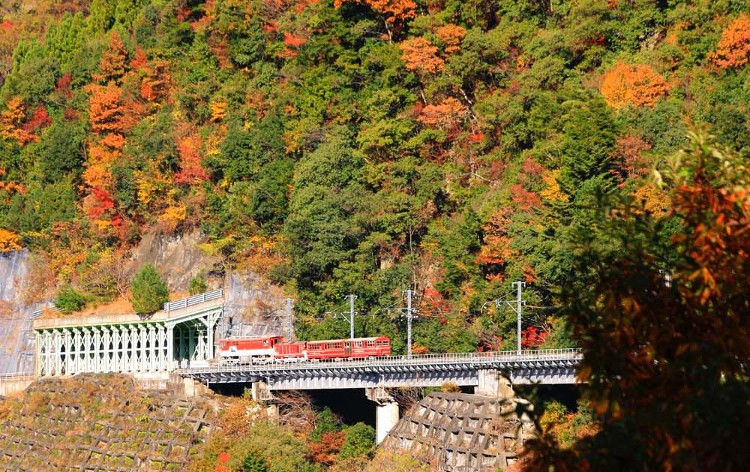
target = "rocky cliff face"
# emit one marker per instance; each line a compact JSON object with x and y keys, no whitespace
{"x":13,"y":269}
{"x":177,"y":258}
{"x":253,"y":306}
{"x":16,"y":339}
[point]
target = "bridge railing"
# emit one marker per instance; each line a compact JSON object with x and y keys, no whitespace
{"x":414,"y":360}
{"x":16,"y":376}
{"x":194,"y":300}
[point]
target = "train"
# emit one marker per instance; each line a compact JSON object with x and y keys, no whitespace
{"x":267,"y":349}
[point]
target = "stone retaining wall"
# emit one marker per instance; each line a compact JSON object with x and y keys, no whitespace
{"x":101,"y":423}
{"x":461,"y":432}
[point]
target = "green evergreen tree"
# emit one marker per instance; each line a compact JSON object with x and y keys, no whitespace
{"x":148,"y":290}
{"x":253,"y":462}
{"x":69,"y":300}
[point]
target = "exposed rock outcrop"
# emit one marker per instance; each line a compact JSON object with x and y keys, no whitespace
{"x":177,"y":258}
{"x":16,"y":341}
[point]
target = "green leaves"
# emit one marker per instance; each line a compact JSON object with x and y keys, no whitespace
{"x":148,"y":291}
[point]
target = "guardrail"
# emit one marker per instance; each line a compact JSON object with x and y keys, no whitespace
{"x":281,"y":365}
{"x":37,"y":313}
{"x":17,"y":376}
{"x":194,"y":300}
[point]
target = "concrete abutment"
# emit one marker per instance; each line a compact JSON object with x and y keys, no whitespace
{"x":492,"y":383}
{"x":386,"y":412}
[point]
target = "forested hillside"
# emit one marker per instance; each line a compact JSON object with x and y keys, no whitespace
{"x":357,"y":146}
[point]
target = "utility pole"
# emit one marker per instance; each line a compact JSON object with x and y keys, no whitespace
{"x":289,"y":318}
{"x":517,"y":309}
{"x":351,"y":315}
{"x":408,"y":323}
{"x":519,"y":302}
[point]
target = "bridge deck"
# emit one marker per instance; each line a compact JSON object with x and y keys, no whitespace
{"x":545,"y":366}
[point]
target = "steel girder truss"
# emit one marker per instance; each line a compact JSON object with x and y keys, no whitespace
{"x":546,"y":367}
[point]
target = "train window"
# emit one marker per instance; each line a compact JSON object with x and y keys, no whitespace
{"x":265,"y":342}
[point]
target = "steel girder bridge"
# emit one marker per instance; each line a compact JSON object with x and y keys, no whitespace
{"x":555,"y":366}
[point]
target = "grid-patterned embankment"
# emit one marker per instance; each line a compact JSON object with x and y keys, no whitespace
{"x":461,"y":432}
{"x":100,"y":423}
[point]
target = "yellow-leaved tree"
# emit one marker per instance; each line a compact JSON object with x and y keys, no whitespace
{"x":9,"y":241}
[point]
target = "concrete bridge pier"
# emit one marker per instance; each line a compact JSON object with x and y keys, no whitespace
{"x":492,"y":383}
{"x":386,"y":412}
{"x":262,"y":394}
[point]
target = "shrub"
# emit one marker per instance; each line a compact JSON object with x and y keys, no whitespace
{"x":68,"y":300}
{"x":197,"y":284}
{"x":148,"y":290}
{"x":326,"y":422}
{"x":360,"y":441}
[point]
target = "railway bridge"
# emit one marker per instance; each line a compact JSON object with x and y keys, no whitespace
{"x":490,"y":373}
{"x":179,"y":335}
{"x":181,"y":338}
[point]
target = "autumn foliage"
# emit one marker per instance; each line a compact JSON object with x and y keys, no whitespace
{"x":451,"y":36}
{"x":734,"y":46}
{"x":636,"y":85}
{"x":394,"y":10}
{"x":12,"y":123}
{"x":113,"y":64}
{"x":191,"y":171}
{"x":496,"y":251}
{"x":327,"y":449}
{"x":445,"y":114}
{"x":9,"y":241}
{"x":665,"y":352}
{"x":420,"y":55}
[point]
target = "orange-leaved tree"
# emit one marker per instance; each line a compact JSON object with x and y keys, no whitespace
{"x":658,"y":303}
{"x":636,"y":85}
{"x":393,"y":10}
{"x":11,"y":122}
{"x":420,"y":55}
{"x":114,"y":62}
{"x":445,"y":114}
{"x":496,"y":251}
{"x":191,"y":170}
{"x":451,"y":36}
{"x":106,"y":116}
{"x":733,"y":49}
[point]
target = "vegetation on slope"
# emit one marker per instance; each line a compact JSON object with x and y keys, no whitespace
{"x":354,"y":146}
{"x":449,"y":147}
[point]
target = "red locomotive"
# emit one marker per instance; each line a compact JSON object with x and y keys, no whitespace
{"x":261,"y":350}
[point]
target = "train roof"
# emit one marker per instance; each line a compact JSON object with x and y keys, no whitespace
{"x":245,"y":338}
{"x":349,"y":339}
